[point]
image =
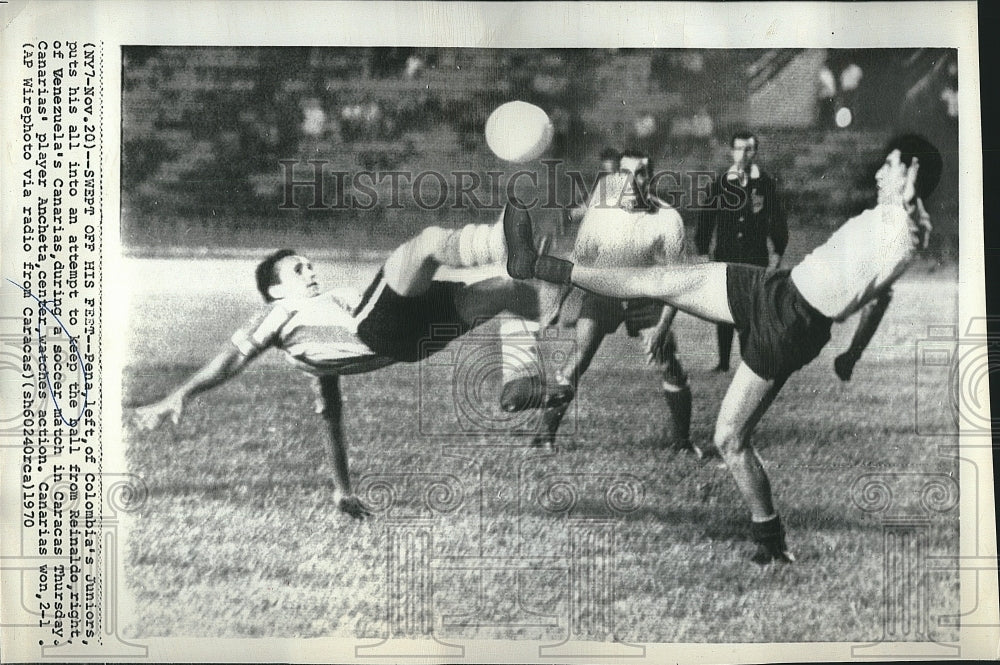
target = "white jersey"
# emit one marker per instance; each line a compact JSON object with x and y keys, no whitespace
{"x":860,"y":259}
{"x":611,"y":237}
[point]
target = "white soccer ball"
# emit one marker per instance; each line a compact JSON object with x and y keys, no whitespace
{"x":518,"y":132}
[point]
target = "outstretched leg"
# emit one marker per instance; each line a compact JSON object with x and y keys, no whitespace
{"x":698,"y":289}
{"x":746,"y":401}
{"x":410,"y":269}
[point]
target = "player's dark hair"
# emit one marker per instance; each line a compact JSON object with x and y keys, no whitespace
{"x":610,"y":154}
{"x":931,"y":165}
{"x":633,"y":153}
{"x":645,"y":201}
{"x":746,"y":135}
{"x":266,"y":274}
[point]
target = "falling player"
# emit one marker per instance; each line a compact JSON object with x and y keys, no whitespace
{"x":783,"y":318}
{"x":328,"y":337}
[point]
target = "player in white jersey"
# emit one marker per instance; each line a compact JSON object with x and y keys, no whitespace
{"x":783,"y":318}
{"x":403,"y":316}
{"x":624,"y":225}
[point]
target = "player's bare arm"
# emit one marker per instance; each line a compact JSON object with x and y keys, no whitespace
{"x":871,"y":315}
{"x":655,"y":339}
{"x":224,"y":366}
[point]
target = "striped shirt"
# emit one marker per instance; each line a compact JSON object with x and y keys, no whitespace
{"x":318,"y":334}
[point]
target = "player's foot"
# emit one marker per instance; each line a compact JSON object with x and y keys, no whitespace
{"x":523,"y":260}
{"x":557,"y":395}
{"x":524,"y":392}
{"x":765,"y":555}
{"x":530,"y":392}
{"x":770,"y":539}
{"x":721,"y":368}
{"x":667,"y":442}
{"x":520,"y":237}
{"x":544,"y":442}
{"x":843,"y":365}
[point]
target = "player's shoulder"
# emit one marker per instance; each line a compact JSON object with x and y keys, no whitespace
{"x":658,"y":204}
{"x":663,"y":214}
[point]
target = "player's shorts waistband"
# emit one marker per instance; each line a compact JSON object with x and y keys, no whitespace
{"x":780,"y":331}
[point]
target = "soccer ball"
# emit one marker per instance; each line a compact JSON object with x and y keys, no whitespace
{"x":518,"y":132}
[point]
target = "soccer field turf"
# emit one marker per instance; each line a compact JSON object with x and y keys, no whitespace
{"x":239,"y":536}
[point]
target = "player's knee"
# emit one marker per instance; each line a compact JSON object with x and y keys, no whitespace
{"x":430,"y":239}
{"x":728,"y":439}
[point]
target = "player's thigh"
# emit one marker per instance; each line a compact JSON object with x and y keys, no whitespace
{"x":747,"y":399}
{"x":701,"y":290}
{"x":409,"y":270}
{"x":486,"y":299}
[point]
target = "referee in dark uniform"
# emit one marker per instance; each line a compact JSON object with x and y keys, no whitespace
{"x":745,"y":212}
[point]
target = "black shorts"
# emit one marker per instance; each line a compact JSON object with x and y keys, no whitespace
{"x":609,"y":313}
{"x":780,"y":332}
{"x":409,"y":328}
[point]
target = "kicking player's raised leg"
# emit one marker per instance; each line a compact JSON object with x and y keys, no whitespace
{"x":410,"y":269}
{"x":698,"y":289}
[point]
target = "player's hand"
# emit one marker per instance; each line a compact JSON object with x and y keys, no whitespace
{"x":914,"y":205}
{"x":150,"y":416}
{"x":910,"y":197}
{"x":352,"y":506}
{"x":655,"y":344}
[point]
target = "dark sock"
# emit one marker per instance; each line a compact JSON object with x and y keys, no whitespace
{"x":551,"y":269}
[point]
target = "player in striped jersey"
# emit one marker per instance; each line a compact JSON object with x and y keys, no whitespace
{"x":327,"y":335}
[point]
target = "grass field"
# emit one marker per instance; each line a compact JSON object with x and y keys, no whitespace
{"x":240,"y":538}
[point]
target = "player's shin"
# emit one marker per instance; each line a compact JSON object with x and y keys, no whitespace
{"x":678,"y":433}
{"x":472,"y":245}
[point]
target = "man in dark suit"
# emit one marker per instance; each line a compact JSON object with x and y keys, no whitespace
{"x":745,"y":212}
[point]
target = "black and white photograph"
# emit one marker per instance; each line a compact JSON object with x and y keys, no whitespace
{"x":555,"y":352}
{"x":260,"y":185}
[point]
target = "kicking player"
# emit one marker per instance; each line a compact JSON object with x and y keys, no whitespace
{"x":625,"y":225}
{"x":783,"y":318}
{"x":328,"y":337}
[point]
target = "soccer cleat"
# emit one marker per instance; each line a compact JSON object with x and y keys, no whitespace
{"x":520,"y":238}
{"x":545,"y":437}
{"x":558,"y":395}
{"x":531,"y":392}
{"x":766,"y":553}
{"x":524,"y":392}
{"x":523,"y":260}
{"x":770,"y":539}
{"x":721,"y":368}
{"x":843,"y":365}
